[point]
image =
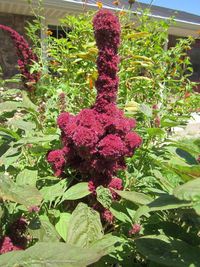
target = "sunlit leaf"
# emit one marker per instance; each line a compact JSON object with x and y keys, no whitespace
{"x":84,"y":226}
{"x":77,"y":191}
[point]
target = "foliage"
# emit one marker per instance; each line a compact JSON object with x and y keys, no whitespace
{"x":156,"y":215}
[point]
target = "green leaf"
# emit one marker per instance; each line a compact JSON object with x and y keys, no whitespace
{"x":104,"y":196}
{"x":192,"y":171}
{"x":62,"y":225}
{"x":53,"y":192}
{"x":167,"y":202}
{"x":146,"y":110}
{"x":188,"y":191}
{"x":196,"y":207}
{"x":36,"y":140}
{"x":84,"y":226}
{"x":21,"y":124}
{"x":42,"y":229}
{"x":77,"y":191}
{"x":23,"y":194}
{"x":27,"y":103}
{"x":141,"y":211}
{"x":9,"y":133}
{"x":9,"y":106}
{"x":27,"y":177}
{"x":187,"y":145}
{"x":109,"y":243}
{"x":119,"y":211}
{"x":135,"y":197}
{"x":52,"y":255}
{"x":166,"y":122}
{"x":155,"y":132}
{"x":10,"y":156}
{"x":168,"y":251}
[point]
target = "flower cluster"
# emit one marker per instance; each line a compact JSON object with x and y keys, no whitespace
{"x":26,"y":57}
{"x":15,"y":239}
{"x":136,"y":228}
{"x":97,"y":140}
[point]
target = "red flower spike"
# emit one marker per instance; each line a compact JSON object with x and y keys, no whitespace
{"x":97,"y":140}
{"x":26,"y":57}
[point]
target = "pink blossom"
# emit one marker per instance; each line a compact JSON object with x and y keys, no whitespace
{"x":111,"y":147}
{"x":132,"y":141}
{"x":6,"y":245}
{"x":136,"y":228}
{"x":34,"y":209}
{"x":57,"y":159}
{"x":115,"y":183}
{"x":157,"y":121}
{"x":92,"y":187}
{"x":107,"y":216}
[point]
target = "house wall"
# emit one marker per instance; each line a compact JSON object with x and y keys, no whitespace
{"x":8,"y":58}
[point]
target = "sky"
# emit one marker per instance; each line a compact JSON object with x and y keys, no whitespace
{"x":191,"y":6}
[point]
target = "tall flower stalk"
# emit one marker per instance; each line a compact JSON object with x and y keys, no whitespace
{"x":26,"y":57}
{"x":97,"y":140}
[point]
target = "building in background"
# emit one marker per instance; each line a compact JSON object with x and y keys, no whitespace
{"x":16,"y":13}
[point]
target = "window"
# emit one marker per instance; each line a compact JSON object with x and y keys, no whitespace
{"x":57,"y":31}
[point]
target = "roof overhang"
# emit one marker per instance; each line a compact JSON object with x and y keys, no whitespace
{"x":56,"y":9}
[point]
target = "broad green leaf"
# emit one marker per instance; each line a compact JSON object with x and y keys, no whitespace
{"x":167,"y":202}
{"x":9,"y":132}
{"x":166,"y":122}
{"x":84,"y":226}
{"x":27,"y":103}
{"x":27,"y":177}
{"x":141,"y":211}
{"x":23,"y":194}
{"x":41,"y":229}
{"x":9,"y":106}
{"x":155,"y":132}
{"x":36,"y":140}
{"x":135,"y":197}
{"x":53,"y":255}
{"x":166,"y":184}
{"x":10,"y":156}
{"x":109,"y":243}
{"x":188,"y":157}
{"x":52,"y":192}
{"x":192,"y":171}
{"x":62,"y":225}
{"x":119,"y":211}
{"x":168,"y":251}
{"x":104,"y":196}
{"x":187,"y":145}
{"x":77,"y":191}
{"x":188,"y":191}
{"x":21,"y":124}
